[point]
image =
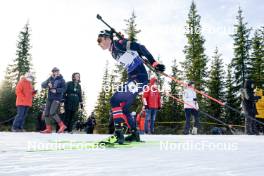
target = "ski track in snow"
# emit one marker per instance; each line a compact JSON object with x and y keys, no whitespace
{"x":246,"y":158}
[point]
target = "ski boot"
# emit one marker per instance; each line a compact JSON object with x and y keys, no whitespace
{"x":109,"y":141}
{"x":47,"y":130}
{"x":120,"y":130}
{"x":194,"y":131}
{"x":62,"y":127}
{"x":134,"y":136}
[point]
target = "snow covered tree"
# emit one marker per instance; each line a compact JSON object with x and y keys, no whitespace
{"x":194,"y":65}
{"x":257,"y":58}
{"x":216,"y":84}
{"x":241,"y":61}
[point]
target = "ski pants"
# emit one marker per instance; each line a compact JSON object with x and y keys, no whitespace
{"x":122,"y":100}
{"x":51,"y":111}
{"x":19,"y":121}
{"x":251,"y":127}
{"x":188,"y":113}
{"x":150,"y":120}
{"x":69,"y":118}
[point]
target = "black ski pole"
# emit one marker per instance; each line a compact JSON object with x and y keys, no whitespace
{"x":99,"y":17}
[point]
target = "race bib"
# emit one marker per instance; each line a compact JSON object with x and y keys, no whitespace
{"x":130,"y":60}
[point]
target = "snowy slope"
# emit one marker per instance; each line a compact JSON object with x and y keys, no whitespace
{"x":160,"y":155}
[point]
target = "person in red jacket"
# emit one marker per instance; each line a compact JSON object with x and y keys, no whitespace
{"x":151,"y":100}
{"x":24,"y":93}
{"x":141,"y":121}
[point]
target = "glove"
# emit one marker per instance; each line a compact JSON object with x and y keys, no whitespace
{"x":195,"y":99}
{"x":50,"y":85}
{"x":146,"y":107}
{"x":159,"y":67}
{"x":122,"y":35}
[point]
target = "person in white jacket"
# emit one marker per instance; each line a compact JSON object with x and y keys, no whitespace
{"x":191,"y":107}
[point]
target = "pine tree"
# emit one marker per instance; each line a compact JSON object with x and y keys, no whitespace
{"x":172,"y":110}
{"x":231,"y":117}
{"x":7,"y":96}
{"x":241,"y":60}
{"x":194,"y":65}
{"x":216,"y":85}
{"x":22,"y":62}
{"x":257,"y":58}
{"x":21,"y":65}
{"x":131,"y":29}
{"x":103,"y":105}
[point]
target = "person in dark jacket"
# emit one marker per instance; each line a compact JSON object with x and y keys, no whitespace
{"x":73,"y":98}
{"x":56,"y":88}
{"x":90,"y":124}
{"x":249,"y":107}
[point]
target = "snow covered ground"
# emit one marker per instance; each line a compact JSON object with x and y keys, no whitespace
{"x":21,"y":155}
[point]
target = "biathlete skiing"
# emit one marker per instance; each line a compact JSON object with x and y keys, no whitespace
{"x":130,"y":55}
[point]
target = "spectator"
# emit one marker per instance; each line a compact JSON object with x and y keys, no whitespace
{"x":249,"y":107}
{"x":24,"y":93}
{"x":78,"y":125}
{"x":56,"y":88}
{"x":191,"y":108}
{"x":73,"y":98}
{"x":141,"y":121}
{"x":152,"y":103}
{"x":90,"y":124}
